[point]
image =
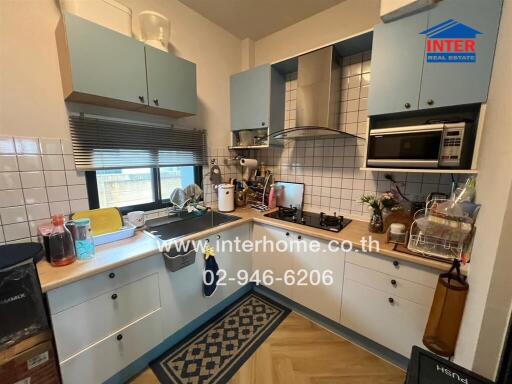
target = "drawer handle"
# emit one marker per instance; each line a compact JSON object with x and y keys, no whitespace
{"x":393,"y":283}
{"x":119,"y":337}
{"x":141,"y":98}
{"x":155,"y":100}
{"x":430,"y":102}
{"x":299,"y":237}
{"x":396,"y":264}
{"x":407,"y":105}
{"x":114,"y":296}
{"x":218,"y":237}
{"x":111,"y":275}
{"x":287,"y":233}
{"x":391,"y":300}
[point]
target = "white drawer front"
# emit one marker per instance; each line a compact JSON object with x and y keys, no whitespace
{"x":104,"y":359}
{"x":73,"y":294}
{"x":394,"y":267}
{"x":82,"y":325}
{"x":367,"y":311}
{"x":393,"y":285}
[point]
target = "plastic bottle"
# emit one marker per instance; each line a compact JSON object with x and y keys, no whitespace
{"x":84,"y":243}
{"x":272,"y":197}
{"x":60,"y":243}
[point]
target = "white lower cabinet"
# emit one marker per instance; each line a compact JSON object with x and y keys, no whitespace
{"x":107,"y":321}
{"x":319,"y":278}
{"x":308,"y":269}
{"x":276,"y":257}
{"x":108,"y":356}
{"x":396,"y":323}
{"x":390,"y":307}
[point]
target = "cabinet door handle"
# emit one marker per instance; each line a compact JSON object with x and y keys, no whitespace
{"x":407,"y":105}
{"x":391,"y":300}
{"x":141,"y":98}
{"x":114,"y":296}
{"x":155,"y":100}
{"x":396,"y":264}
{"x":119,"y":337}
{"x":111,"y":275}
{"x":393,"y":283}
{"x":430,"y":102}
{"x":262,"y":123}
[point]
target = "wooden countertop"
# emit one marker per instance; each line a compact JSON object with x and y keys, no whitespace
{"x":114,"y":255}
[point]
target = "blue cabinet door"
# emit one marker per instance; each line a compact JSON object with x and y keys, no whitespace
{"x":105,"y":63}
{"x":397,"y":60}
{"x":250,"y":98}
{"x":171,"y":82}
{"x":455,"y":83}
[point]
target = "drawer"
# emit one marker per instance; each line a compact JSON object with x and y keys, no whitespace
{"x":367,"y":311}
{"x":107,"y":357}
{"x":80,"y":326}
{"x":394,"y":267}
{"x":75,"y":293}
{"x":393,"y":285}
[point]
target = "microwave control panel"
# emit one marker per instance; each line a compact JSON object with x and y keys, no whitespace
{"x":451,"y":146}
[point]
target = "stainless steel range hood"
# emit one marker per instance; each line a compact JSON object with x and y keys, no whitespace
{"x":318,"y":97}
{"x":318,"y":90}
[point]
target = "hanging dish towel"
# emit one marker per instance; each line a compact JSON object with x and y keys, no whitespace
{"x":211,"y":269}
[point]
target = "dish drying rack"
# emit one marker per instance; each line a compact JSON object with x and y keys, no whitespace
{"x":440,"y":235}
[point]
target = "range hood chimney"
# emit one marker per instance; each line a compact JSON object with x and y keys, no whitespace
{"x":318,"y":90}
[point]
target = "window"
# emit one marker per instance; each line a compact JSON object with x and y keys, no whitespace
{"x":138,"y":188}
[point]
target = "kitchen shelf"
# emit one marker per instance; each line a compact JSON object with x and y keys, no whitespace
{"x":420,"y":170}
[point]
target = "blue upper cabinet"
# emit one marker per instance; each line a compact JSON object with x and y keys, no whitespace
{"x":464,"y":28}
{"x":100,"y":66}
{"x":436,"y":58}
{"x":257,"y":99}
{"x":397,"y":61}
{"x":171,"y":83}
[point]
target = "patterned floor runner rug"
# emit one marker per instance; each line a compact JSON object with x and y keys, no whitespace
{"x":213,"y":353}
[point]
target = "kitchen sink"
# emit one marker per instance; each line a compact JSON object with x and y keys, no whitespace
{"x":181,"y":225}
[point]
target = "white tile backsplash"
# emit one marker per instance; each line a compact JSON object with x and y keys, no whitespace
{"x":35,"y":174}
{"x":32,"y":179}
{"x":8,"y":163}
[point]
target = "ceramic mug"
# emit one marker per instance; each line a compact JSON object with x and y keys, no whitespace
{"x":136,"y":218}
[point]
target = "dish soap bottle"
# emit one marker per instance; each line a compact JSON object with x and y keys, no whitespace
{"x":272,"y":197}
{"x":60,"y":243}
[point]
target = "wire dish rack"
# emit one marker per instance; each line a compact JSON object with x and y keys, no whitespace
{"x":437,"y":234}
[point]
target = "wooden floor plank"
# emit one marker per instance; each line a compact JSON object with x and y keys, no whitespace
{"x":301,"y":352}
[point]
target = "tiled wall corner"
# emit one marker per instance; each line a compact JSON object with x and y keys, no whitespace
{"x":37,"y":179}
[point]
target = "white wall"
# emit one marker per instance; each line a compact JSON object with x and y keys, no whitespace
{"x":493,"y":187}
{"x":343,"y":20}
{"x":31,"y":100}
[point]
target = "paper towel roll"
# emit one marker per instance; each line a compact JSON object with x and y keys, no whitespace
{"x":249,"y":163}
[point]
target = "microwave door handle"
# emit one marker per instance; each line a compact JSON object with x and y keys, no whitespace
{"x":409,"y":130}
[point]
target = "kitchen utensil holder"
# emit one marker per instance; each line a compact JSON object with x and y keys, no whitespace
{"x":175,"y":260}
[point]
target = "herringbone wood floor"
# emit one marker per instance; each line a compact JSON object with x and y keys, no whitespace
{"x":301,"y":352}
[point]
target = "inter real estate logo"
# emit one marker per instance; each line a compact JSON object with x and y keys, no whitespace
{"x":451,"y":42}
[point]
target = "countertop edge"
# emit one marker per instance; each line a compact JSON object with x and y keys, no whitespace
{"x":245,"y":218}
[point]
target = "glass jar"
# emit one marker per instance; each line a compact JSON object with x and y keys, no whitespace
{"x":60,"y":243}
{"x":376,"y":224}
{"x":84,"y":243}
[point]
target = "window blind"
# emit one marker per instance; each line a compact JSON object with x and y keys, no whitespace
{"x":108,"y":144}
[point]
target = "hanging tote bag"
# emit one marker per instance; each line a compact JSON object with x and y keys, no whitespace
{"x":446,"y":313}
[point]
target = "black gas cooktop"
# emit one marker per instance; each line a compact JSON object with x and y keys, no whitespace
{"x":320,"y":220}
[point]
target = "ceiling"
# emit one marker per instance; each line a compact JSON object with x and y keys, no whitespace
{"x":257,"y":18}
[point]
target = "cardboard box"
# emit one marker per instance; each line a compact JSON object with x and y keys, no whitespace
{"x":32,"y":361}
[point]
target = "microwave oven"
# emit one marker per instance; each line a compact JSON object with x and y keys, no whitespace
{"x":441,"y":145}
